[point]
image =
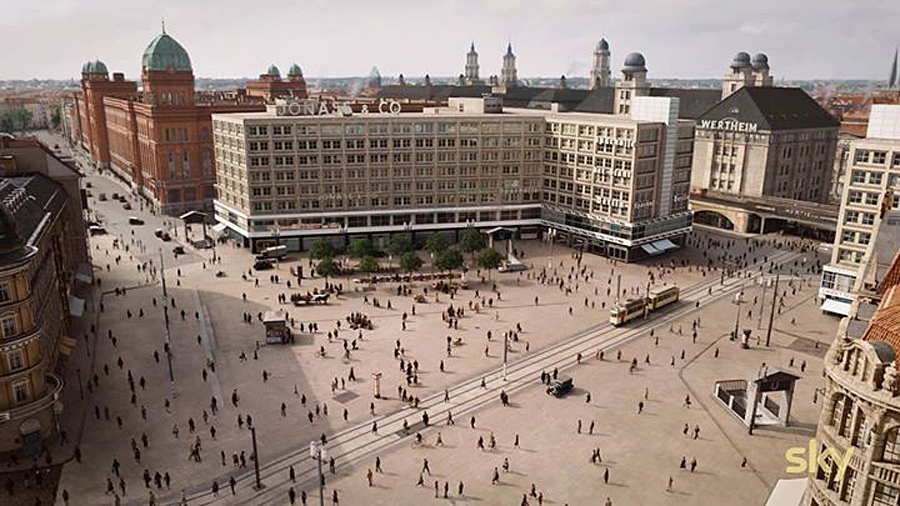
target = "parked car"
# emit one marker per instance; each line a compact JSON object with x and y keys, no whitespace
{"x":165,"y":237}
{"x":134,"y":220}
{"x":115,"y":196}
{"x":512,"y":267}
{"x":103,"y":197}
{"x":126,"y":206}
{"x":262,"y":264}
{"x":88,"y":184}
{"x":96,"y":230}
{"x":158,"y":232}
{"x":560,"y":387}
{"x":178,"y":250}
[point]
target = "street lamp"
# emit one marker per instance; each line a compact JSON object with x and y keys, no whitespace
{"x":551,"y":234}
{"x":737,"y":317}
{"x":259,"y":484}
{"x":317,"y":452}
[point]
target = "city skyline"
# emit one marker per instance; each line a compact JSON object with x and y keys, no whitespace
{"x":323,"y":38}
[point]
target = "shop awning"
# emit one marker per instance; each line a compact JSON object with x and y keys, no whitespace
{"x":76,"y":306}
{"x":664,"y":245}
{"x":650,"y":249}
{"x":836,"y":307}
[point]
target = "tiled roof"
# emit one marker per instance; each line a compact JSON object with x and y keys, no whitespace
{"x":885,"y":324}
{"x":25,"y":202}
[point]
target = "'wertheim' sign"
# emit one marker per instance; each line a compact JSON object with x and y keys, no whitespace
{"x":314,"y":107}
{"x":729,"y":124}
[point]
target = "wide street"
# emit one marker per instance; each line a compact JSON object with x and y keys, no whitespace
{"x":295,"y":395}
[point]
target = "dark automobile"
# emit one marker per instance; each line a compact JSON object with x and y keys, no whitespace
{"x":263,"y":264}
{"x":178,"y":250}
{"x":560,"y":388}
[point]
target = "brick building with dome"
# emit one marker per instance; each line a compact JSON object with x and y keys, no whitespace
{"x":157,"y":138}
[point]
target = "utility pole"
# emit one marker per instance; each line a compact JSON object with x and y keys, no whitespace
{"x":259,"y":485}
{"x":618,"y":287}
{"x":762,"y":303}
{"x":737,"y":317}
{"x":165,"y":304}
{"x":552,"y":235}
{"x":505,"y":352}
{"x":318,"y":452}
{"x":772,"y":313}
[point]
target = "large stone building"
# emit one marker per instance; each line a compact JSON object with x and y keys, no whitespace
{"x":39,"y":265}
{"x":871,"y":187}
{"x":761,"y":143}
{"x":616,"y":183}
{"x":158,"y":139}
{"x":860,"y":418}
{"x":600,"y":73}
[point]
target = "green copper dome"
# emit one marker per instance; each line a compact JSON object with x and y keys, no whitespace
{"x":98,"y":67}
{"x":86,"y":68}
{"x":164,"y":53}
{"x":273,"y":71}
{"x":295,"y":70}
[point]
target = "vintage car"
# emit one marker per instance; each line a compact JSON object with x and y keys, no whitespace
{"x":303,"y":299}
{"x":561,"y":387}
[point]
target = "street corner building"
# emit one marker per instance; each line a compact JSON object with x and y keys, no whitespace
{"x":39,"y":265}
{"x":606,"y":169}
{"x":158,"y":139}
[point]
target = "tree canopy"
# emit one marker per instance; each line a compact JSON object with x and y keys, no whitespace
{"x":360,"y":248}
{"x":449,"y":259}
{"x":400,"y":244}
{"x":369,"y":263}
{"x":410,"y":262}
{"x":471,"y":240}
{"x":322,"y":249}
{"x":436,"y":244}
{"x":327,"y":267}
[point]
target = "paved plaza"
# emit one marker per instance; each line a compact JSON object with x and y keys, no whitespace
{"x":293,"y":394}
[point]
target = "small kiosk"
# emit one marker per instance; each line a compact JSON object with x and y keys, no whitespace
{"x":277,"y":329}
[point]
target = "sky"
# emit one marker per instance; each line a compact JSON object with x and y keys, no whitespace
{"x":804,"y":39}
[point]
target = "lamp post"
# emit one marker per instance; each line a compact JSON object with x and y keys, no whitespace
{"x":772,"y":313}
{"x":317,"y":452}
{"x":505,"y":352}
{"x":165,"y":303}
{"x":259,"y":485}
{"x":737,"y":317}
{"x":551,"y":234}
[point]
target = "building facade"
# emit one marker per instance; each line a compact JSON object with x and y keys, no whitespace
{"x":871,"y":187}
{"x":508,"y":75}
{"x":35,"y":294}
{"x":159,"y":140}
{"x":609,"y":182}
{"x":761,"y":142}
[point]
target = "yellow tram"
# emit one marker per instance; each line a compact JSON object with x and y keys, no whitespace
{"x":631,"y":309}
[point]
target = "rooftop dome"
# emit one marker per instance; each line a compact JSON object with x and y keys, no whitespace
{"x":760,"y":61}
{"x":99,"y":68}
{"x":741,"y":60}
{"x":634,"y":62}
{"x":273,"y":71}
{"x":295,"y":70}
{"x":603,"y":45}
{"x":86,"y":68}
{"x":164,"y":53}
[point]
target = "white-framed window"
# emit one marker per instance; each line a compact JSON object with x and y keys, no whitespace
{"x":20,"y":390}
{"x":15,"y":360}
{"x":9,"y":325}
{"x":6,"y":294}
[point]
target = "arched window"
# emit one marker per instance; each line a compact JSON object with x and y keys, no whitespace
{"x":891,"y":446}
{"x":838,"y":412}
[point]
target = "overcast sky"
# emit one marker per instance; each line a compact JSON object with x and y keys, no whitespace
{"x":239,"y":38}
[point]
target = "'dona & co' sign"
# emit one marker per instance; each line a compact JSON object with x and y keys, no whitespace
{"x":314,"y":107}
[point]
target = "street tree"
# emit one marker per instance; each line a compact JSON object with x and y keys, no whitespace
{"x":436,"y":244}
{"x":322,"y":249}
{"x":328,"y":268}
{"x":471,"y":241}
{"x":369,"y":264}
{"x":449,"y":259}
{"x":410,"y":262}
{"x":489,"y":259}
{"x":360,"y":248}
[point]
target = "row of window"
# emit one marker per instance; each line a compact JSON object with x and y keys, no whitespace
{"x":422,"y":128}
{"x":875,"y":157}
